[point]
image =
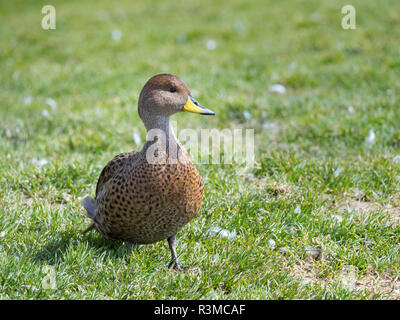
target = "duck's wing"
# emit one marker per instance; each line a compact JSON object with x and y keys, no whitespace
{"x":111,"y":168}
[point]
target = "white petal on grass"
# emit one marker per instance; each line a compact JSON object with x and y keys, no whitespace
{"x":28,"y":100}
{"x":227,"y":234}
{"x":271,"y":243}
{"x":211,"y":44}
{"x":213,"y":231}
{"x":351,"y":109}
{"x":222,"y":233}
{"x":278,"y":88}
{"x":137,"y":139}
{"x":370,"y":138}
{"x":52,"y":103}
{"x":297,"y":210}
{"x":116,"y":35}
{"x":39,"y":162}
{"x":337,"y":172}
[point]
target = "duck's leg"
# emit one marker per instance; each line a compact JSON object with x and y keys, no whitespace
{"x":174,"y":261}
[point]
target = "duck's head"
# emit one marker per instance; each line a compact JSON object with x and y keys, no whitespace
{"x":166,"y":94}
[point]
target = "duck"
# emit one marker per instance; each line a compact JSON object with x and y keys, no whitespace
{"x":147,"y":196}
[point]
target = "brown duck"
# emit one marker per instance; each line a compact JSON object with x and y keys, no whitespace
{"x":147,"y":196}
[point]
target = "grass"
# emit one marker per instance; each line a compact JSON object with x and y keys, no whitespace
{"x":316,"y":187}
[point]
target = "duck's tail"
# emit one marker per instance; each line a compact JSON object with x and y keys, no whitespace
{"x":90,"y":205}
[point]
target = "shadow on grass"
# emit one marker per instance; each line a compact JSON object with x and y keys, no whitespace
{"x":56,"y":249}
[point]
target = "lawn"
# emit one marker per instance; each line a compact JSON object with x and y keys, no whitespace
{"x":317,"y":217}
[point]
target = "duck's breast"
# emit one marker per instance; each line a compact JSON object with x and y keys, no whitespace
{"x":150,"y":202}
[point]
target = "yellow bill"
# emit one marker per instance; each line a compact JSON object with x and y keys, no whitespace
{"x":192,"y":105}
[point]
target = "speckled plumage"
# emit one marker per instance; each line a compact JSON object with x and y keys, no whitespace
{"x":142,"y":202}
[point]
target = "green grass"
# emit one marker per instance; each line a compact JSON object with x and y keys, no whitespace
{"x":295,"y":190}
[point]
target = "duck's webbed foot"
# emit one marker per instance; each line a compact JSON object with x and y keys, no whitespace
{"x":176,"y":266}
{"x":174,"y":258}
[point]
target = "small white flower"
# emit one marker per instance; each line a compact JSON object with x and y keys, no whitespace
{"x":211,"y":44}
{"x":351,"y":109}
{"x":2,"y":234}
{"x":396,"y":159}
{"x":116,"y":35}
{"x":278,"y":88}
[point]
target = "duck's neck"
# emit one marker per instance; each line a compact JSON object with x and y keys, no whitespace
{"x":159,"y":129}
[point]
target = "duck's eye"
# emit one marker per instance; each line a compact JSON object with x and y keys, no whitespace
{"x":173,"y":89}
